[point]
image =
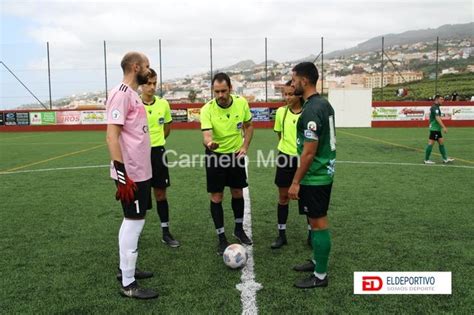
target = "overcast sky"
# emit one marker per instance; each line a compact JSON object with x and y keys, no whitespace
{"x":76,"y":31}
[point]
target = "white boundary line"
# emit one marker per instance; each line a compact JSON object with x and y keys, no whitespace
{"x":254,"y":161}
{"x":248,"y":287}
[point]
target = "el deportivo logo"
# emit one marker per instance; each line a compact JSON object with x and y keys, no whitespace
{"x":371,"y":283}
{"x":402,"y":282}
{"x":376,"y":283}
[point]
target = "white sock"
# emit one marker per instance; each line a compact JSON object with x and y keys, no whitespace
{"x":320,"y":276}
{"x":128,"y":248}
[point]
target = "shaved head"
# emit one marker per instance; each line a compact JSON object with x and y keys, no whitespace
{"x":130,"y":59}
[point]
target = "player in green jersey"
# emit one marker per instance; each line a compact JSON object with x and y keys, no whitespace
{"x":159,"y":125}
{"x":436,"y":125}
{"x":226,"y":124}
{"x":287,"y":160}
{"x":312,"y":183}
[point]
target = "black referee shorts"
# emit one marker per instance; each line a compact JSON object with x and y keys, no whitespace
{"x":286,"y":166}
{"x":224,"y":169}
{"x":159,"y":166}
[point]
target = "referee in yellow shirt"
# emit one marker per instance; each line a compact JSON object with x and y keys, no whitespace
{"x":159,"y":124}
{"x":287,"y":161}
{"x":226,"y":124}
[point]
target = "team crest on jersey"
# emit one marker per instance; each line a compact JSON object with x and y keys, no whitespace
{"x":161,"y":120}
{"x":115,"y":114}
{"x":312,"y":126}
{"x":239,"y":125}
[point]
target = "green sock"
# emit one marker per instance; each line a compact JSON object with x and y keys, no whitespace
{"x":321,"y":240}
{"x":442,"y":150}
{"x":428,"y":150}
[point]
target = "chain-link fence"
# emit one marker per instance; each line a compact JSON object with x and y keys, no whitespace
{"x":71,"y":74}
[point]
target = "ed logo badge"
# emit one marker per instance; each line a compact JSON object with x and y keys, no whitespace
{"x":371,"y":283}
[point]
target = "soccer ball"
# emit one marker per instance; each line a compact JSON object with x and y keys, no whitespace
{"x":235,"y":256}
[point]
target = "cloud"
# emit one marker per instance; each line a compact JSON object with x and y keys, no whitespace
{"x":139,"y":20}
{"x":76,"y":29}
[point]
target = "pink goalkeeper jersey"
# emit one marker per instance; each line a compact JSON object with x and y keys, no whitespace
{"x":125,"y":108}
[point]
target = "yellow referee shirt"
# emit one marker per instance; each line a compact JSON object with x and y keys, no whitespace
{"x":158,"y":114}
{"x":285,"y":123}
{"x":226,"y":123}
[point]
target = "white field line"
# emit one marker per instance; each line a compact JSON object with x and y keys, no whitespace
{"x":405,"y":164}
{"x":248,"y":287}
{"x":253,"y":161}
{"x":55,"y":169}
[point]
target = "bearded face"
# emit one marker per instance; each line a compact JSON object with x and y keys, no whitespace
{"x":297,"y":85}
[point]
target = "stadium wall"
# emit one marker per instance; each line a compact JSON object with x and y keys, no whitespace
{"x":186,"y":116}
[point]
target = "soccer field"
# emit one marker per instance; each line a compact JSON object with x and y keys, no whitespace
{"x":389,"y":212}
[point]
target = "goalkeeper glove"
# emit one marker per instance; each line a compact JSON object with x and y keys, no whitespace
{"x":126,"y":187}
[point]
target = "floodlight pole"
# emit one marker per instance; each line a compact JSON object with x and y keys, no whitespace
{"x":49,"y":77}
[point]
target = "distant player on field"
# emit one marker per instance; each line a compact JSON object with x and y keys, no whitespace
{"x":159,"y":125}
{"x":436,"y":125}
{"x":224,"y":120}
{"x":312,"y":183}
{"x":287,"y":160}
{"x":129,"y":146}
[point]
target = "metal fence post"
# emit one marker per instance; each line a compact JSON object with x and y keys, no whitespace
{"x":381,"y":84}
{"x":161,"y":72}
{"x":266,"y":71}
{"x":322,"y":65}
{"x":436,"y":74}
{"x":49,"y":77}
{"x":105,"y":71}
{"x":210,"y":54}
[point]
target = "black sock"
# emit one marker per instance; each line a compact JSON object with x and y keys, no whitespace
{"x":217,"y":214}
{"x":238,"y":207}
{"x":163,"y":212}
{"x":282,"y":214}
{"x":282,"y":218}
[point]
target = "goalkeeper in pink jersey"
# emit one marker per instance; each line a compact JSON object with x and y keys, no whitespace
{"x":129,"y":146}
